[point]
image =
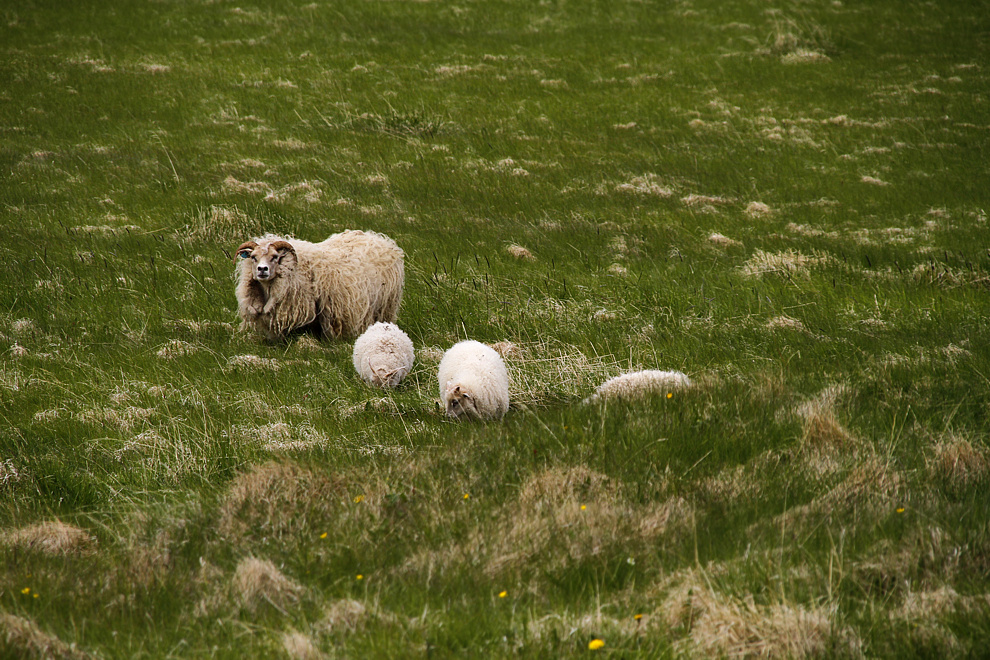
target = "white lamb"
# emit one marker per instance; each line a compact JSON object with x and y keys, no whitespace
{"x":341,"y":285}
{"x":639,"y":384}
{"x":473,"y":381}
{"x":383,"y":355}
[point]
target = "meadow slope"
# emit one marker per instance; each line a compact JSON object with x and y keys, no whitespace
{"x":787,"y":200}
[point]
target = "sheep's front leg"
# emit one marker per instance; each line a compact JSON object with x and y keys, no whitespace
{"x":253,"y":301}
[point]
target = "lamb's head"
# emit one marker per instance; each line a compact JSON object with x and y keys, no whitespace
{"x":267,"y":259}
{"x":459,"y":402}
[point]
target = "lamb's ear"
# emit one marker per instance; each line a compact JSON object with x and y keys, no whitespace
{"x":245,"y":250}
{"x":283,"y":247}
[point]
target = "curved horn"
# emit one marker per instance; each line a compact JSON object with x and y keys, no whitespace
{"x":279,"y":246}
{"x":245,"y":248}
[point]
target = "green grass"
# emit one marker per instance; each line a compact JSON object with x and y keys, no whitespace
{"x":823,"y":489}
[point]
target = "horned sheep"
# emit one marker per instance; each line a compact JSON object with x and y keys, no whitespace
{"x":383,"y":355}
{"x":341,"y":285}
{"x":638,"y":384}
{"x":473,"y":381}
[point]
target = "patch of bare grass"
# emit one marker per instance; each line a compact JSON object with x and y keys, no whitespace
{"x":27,"y":639}
{"x":278,"y":500}
{"x":788,"y":263}
{"x":710,"y":623}
{"x":52,"y":537}
{"x":258,"y":581}
{"x":299,"y":646}
{"x":958,"y":462}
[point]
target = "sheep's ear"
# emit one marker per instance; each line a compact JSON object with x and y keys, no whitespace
{"x":246,"y":248}
{"x":283,"y":246}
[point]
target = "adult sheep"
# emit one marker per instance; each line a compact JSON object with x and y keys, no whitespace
{"x":344,"y":283}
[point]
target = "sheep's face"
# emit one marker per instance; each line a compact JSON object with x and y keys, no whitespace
{"x":267,"y":260}
{"x":459,"y":402}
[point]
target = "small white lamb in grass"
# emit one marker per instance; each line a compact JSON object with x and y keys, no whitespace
{"x":639,"y":384}
{"x":383,"y":355}
{"x":343,"y":284}
{"x":473,"y":381}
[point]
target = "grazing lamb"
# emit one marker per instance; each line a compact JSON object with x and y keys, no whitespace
{"x":383,"y":355}
{"x":639,"y":384}
{"x":473,"y":381}
{"x":343,"y":284}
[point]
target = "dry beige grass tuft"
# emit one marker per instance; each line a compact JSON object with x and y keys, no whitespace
{"x":723,"y":241}
{"x":758,"y":210}
{"x":257,"y":581}
{"x":519,"y":252}
{"x":788,"y":263}
{"x":300,"y":647}
{"x":26,"y":639}
{"x":713,"y":624}
{"x":51,"y":538}
{"x":785,"y":322}
{"x":345,"y":614}
{"x":958,"y":462}
{"x":648,"y":184}
{"x":279,"y":500}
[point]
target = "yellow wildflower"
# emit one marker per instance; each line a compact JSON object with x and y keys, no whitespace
{"x":323,"y":535}
{"x":503,"y":594}
{"x":467,"y":496}
{"x":583,"y":507}
{"x":595,"y":644}
{"x":900,"y":510}
{"x":359,"y":499}
{"x":26,"y":590}
{"x":360,"y":577}
{"x":638,"y":617}
{"x":670,"y":395}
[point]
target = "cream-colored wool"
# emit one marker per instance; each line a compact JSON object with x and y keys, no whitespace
{"x":473,"y":381}
{"x":344,"y":283}
{"x":639,"y":384}
{"x":383,"y":355}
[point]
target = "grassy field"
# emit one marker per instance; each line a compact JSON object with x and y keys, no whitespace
{"x":787,"y":200}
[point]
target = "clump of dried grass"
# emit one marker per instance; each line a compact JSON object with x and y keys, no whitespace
{"x":787,"y":263}
{"x":648,"y":184}
{"x":821,"y":428}
{"x":958,"y":462}
{"x":26,"y":638}
{"x":224,"y":223}
{"x":566,"y":515}
{"x":714,"y":624}
{"x":52,"y":537}
{"x":722,"y":241}
{"x":258,"y":581}
{"x":278,"y":500}
{"x":299,"y":646}
{"x":545,"y":370}
{"x":785,"y":322}
{"x":254,"y":362}
{"x":519,"y":252}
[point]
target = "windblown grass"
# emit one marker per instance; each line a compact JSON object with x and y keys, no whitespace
{"x":785,"y":202}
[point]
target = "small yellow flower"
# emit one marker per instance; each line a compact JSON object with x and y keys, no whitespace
{"x":583,"y":507}
{"x":360,"y":577}
{"x":503,"y":594}
{"x":638,"y":617}
{"x":359,"y":499}
{"x":595,"y":644}
{"x":35,"y":595}
{"x":323,"y":535}
{"x":670,"y":395}
{"x":900,"y":510}
{"x":26,"y":590}
{"x":467,"y":496}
